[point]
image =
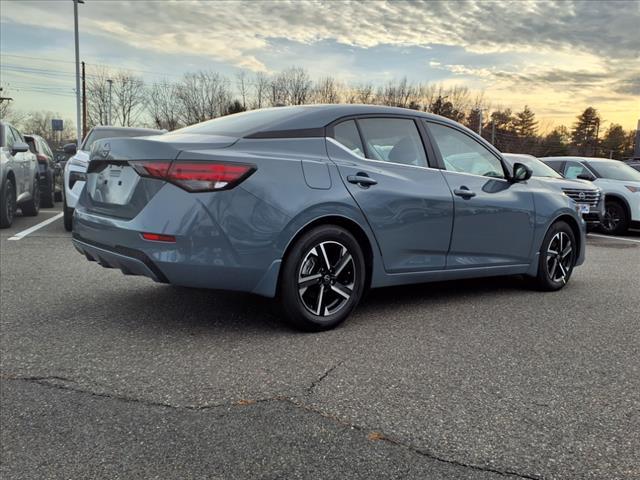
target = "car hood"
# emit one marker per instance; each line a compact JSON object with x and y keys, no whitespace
{"x":561,"y":183}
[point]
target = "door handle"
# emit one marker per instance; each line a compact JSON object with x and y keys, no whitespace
{"x":464,"y":192}
{"x":362,"y":179}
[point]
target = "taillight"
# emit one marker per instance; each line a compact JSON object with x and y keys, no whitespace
{"x":42,"y":158}
{"x":158,"y":237}
{"x":196,"y":176}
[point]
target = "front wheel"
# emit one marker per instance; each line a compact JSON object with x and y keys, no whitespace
{"x":615,"y":220}
{"x":67,"y":214}
{"x":8,"y":206}
{"x":47,"y":194}
{"x":323,"y":278}
{"x":32,"y":207}
{"x":557,"y":257}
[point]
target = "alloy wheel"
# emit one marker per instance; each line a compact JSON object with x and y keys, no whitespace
{"x":560,"y":257}
{"x":326,"y":278}
{"x":611,"y":218}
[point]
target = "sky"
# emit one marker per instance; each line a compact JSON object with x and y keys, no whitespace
{"x":558,"y":57}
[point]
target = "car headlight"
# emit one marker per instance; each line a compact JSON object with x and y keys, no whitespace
{"x":633,"y":189}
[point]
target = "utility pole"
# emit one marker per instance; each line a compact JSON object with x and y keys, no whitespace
{"x":75,"y":31}
{"x":480,"y":121}
{"x":493,"y":133}
{"x":109,"y":116}
{"x":636,"y":148}
{"x":84,"y":103}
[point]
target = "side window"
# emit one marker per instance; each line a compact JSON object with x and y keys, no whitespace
{"x":32,"y":144}
{"x":461,"y":153}
{"x":573,"y":169}
{"x":393,"y":140}
{"x":347,"y":134}
{"x":17,"y":135}
{"x":555,"y":164}
{"x":9,"y":140}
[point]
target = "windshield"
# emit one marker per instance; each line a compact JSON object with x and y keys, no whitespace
{"x":116,"y":132}
{"x":614,"y":170}
{"x":538,"y":168}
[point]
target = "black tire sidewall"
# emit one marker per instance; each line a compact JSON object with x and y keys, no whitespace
{"x":296,"y":313}
{"x":67,"y":214}
{"x":7,"y":213}
{"x":624,"y":221}
{"x":543,"y":279}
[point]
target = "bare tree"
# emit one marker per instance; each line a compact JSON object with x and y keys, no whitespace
{"x":128,"y":98}
{"x":164,"y":105}
{"x":98,"y":97}
{"x":203,"y":96}
{"x":327,"y":90}
{"x":261,"y":87}
{"x":241,"y":83}
{"x":361,"y":93}
{"x":39,"y":123}
{"x":291,"y":87}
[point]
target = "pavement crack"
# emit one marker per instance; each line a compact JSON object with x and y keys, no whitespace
{"x":319,"y":380}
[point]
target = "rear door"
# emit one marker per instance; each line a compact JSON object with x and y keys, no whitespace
{"x":408,"y":205}
{"x":494,"y":218}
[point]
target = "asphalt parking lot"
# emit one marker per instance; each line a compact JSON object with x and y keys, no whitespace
{"x":106,"y":376}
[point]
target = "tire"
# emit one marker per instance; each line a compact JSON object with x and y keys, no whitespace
{"x":557,"y":258}
{"x":47,"y":195}
{"x":332,"y":291}
{"x":615,"y":220}
{"x":32,"y":207}
{"x":67,"y":214}
{"x":8,"y":206}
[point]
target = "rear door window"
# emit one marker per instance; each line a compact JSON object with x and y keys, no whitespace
{"x":347,"y":134}
{"x":394,"y":140}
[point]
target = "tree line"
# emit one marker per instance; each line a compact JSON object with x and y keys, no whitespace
{"x":124,"y":99}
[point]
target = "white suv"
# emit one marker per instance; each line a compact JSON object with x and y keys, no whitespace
{"x":619,"y":182}
{"x":75,"y":170}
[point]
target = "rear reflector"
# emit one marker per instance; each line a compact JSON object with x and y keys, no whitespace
{"x":157,"y":237}
{"x":196,"y":176}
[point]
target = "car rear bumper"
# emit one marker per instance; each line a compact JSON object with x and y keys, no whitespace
{"x":216,"y":245}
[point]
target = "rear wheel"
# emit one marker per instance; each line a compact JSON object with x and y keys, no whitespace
{"x":557,"y":257}
{"x":323,"y":278}
{"x":8,"y":207}
{"x":67,"y":214}
{"x":47,"y":194}
{"x":615,"y":220}
{"x":32,"y":207}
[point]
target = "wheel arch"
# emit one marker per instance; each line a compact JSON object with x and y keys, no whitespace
{"x":348,"y":224}
{"x":620,"y":199}
{"x":573,"y":224}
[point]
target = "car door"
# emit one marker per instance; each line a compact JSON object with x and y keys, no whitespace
{"x":494,"y":218}
{"x":16,"y":159}
{"x":23,"y":159}
{"x":573,"y":170}
{"x":407,"y":203}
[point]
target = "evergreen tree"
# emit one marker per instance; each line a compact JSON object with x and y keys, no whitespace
{"x":614,"y":142}
{"x":585,"y":131}
{"x":555,"y":143}
{"x":525,"y":124}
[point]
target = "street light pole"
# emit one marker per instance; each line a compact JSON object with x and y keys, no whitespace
{"x":78,"y":119}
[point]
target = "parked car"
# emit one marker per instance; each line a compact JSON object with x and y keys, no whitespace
{"x":20,"y":186}
{"x":317,"y":204}
{"x":76,"y":167}
{"x":588,"y":197}
{"x":619,"y":182}
{"x":49,"y":171}
{"x":634,"y":163}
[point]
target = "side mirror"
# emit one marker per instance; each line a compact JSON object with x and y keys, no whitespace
{"x":521,"y":173}
{"x":586,"y":176}
{"x":19,"y":147}
{"x":70,"y":148}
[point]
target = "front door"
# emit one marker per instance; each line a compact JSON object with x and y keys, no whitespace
{"x":494,"y":218}
{"x":408,"y":205}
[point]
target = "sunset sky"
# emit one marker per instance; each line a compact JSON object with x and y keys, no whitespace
{"x":557,"y":57}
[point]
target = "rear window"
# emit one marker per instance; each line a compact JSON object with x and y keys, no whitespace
{"x":242,"y":124}
{"x":109,"y":133}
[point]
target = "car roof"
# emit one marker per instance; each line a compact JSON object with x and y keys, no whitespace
{"x":320,"y":115}
{"x":579,"y":159}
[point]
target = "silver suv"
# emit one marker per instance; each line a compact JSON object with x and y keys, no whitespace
{"x":19,"y":176}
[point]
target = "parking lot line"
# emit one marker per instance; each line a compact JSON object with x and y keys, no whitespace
{"x":614,"y":238}
{"x":30,"y":230}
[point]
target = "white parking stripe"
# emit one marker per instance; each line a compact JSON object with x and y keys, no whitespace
{"x":28,"y":231}
{"x":614,"y":238}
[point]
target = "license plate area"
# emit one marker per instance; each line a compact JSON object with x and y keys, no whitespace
{"x":584,"y":208}
{"x":114,"y":184}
